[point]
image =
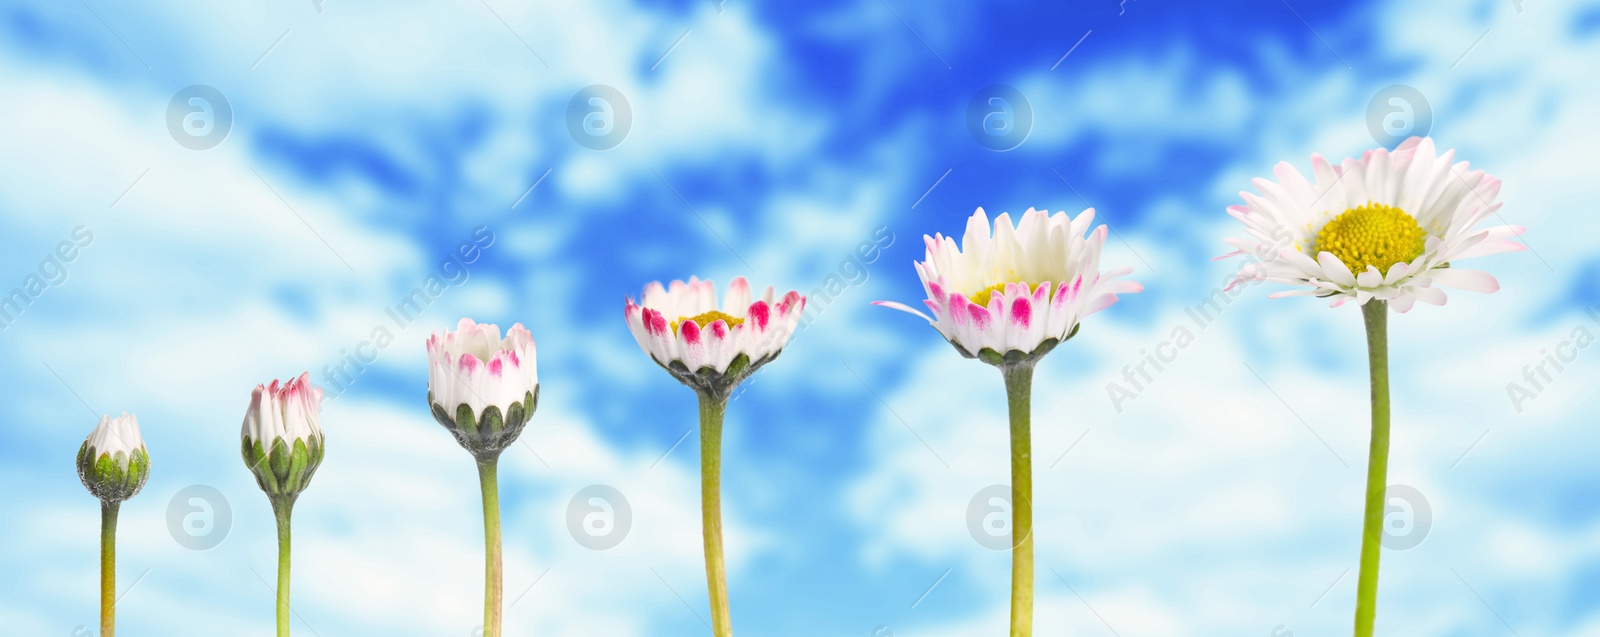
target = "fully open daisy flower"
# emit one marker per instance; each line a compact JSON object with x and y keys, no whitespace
{"x":1015,"y":291}
{"x":683,"y":329}
{"x":1389,"y":225}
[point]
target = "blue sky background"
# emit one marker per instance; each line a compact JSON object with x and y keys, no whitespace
{"x":369,"y":140}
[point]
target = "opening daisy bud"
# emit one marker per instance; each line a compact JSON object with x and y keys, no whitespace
{"x":282,"y":436}
{"x":1389,"y":226}
{"x":1012,"y":294}
{"x":482,"y":387}
{"x":707,"y":347}
{"x":113,"y":463}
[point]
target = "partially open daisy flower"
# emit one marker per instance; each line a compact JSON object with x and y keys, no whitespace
{"x":683,"y":329}
{"x":482,"y":387}
{"x":1389,"y":225}
{"x":1018,"y":291}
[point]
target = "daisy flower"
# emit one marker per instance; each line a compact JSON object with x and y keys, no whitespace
{"x":1016,"y":292}
{"x":1390,"y":225}
{"x":1007,"y":297}
{"x":1384,"y":230}
{"x":706,"y":346}
{"x":711,"y":348}
{"x":484,"y":388}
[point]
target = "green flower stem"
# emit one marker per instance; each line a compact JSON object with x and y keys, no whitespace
{"x":1376,"y":313}
{"x":108,"y":567}
{"x":493,"y":577}
{"x":1019,"y":390}
{"x":711,"y":412}
{"x":282,"y":507}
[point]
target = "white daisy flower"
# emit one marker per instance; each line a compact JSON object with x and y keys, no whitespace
{"x":481,"y":387}
{"x":1389,"y":226}
{"x":711,"y":348}
{"x":484,"y":389}
{"x":682,"y":328}
{"x":1016,"y":291}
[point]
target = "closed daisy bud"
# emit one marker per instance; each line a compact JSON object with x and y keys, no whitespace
{"x":282,"y":436}
{"x":112,"y":462}
{"x":482,"y":387}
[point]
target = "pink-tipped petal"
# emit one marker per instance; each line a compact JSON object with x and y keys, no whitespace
{"x":1021,"y":312}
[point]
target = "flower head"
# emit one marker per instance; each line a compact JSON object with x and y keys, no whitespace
{"x":282,"y":439}
{"x":1389,"y":226}
{"x":709,"y":347}
{"x":1015,"y":293}
{"x":481,"y":387}
{"x":112,"y":462}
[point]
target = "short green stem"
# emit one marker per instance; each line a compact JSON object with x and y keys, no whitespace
{"x":493,"y":586}
{"x":1019,"y":391}
{"x":1376,"y":314}
{"x":108,"y":567}
{"x":712,"y":409}
{"x":282,"y":508}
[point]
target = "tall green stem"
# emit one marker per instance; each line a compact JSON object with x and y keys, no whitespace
{"x":1376,"y":313}
{"x":1019,"y":390}
{"x":493,"y":586}
{"x":108,"y":567}
{"x":711,"y":411}
{"x":282,"y":507}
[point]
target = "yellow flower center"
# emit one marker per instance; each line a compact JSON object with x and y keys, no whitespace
{"x":981,"y":297}
{"x":1375,"y":235}
{"x":706,"y":319}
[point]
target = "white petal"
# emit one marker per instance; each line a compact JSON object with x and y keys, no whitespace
{"x":1469,"y":280}
{"x":903,"y":308}
{"x":1335,"y":269}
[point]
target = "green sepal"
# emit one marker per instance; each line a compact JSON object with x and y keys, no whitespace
{"x":516,"y":415}
{"x":294,"y":479}
{"x":491,"y":423}
{"x":465,"y":420}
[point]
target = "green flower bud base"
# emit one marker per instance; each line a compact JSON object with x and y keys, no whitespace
{"x":486,"y":435}
{"x":283,"y":471}
{"x":707,"y":381}
{"x":113,"y":478}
